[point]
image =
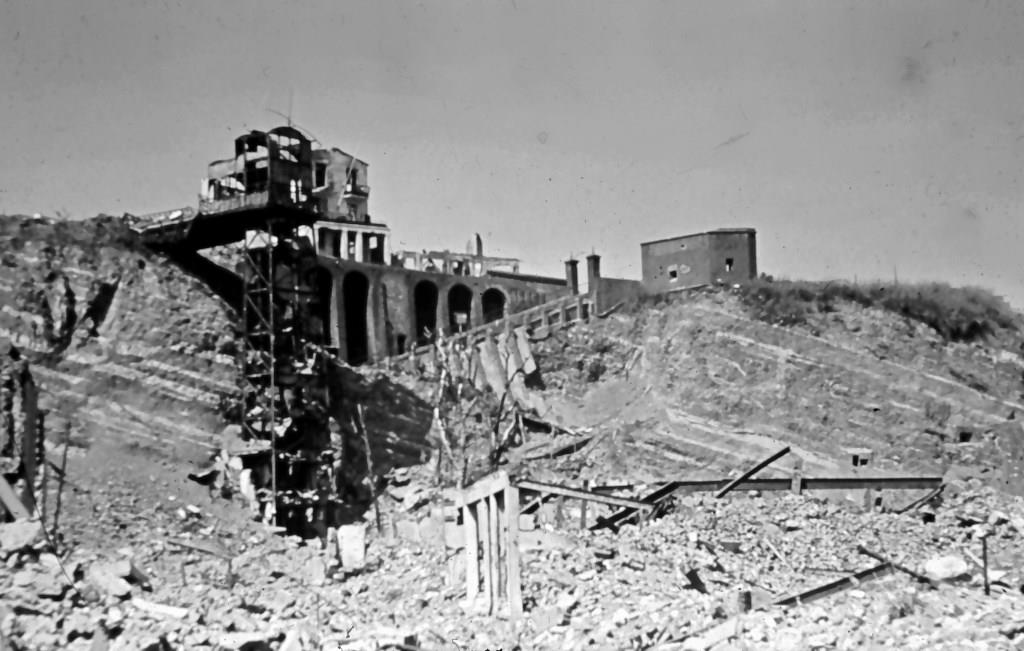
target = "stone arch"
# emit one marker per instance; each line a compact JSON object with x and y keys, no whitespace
{"x":355,"y":291}
{"x":493,"y":302}
{"x":424,"y":299}
{"x":460,"y":308}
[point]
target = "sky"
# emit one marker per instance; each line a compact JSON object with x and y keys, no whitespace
{"x":865,"y":140}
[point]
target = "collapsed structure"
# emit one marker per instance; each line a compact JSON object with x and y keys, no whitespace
{"x":317,"y":282}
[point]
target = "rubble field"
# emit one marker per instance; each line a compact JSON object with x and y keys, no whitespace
{"x":133,"y":360}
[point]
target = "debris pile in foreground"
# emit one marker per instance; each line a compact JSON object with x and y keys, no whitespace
{"x":176,"y":576}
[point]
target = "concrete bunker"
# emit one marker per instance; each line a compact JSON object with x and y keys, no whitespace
{"x":460,"y":306}
{"x":493,"y":303}
{"x":355,"y":290}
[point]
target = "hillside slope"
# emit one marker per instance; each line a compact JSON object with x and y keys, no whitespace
{"x":124,"y":345}
{"x":692,"y":384}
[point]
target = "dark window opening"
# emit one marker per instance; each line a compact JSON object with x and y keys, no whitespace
{"x":321,"y":240}
{"x":424,"y":298}
{"x":336,"y":243}
{"x":355,"y":291}
{"x":375,"y":251}
{"x":460,"y":304}
{"x":728,"y":264}
{"x":493,"y":303}
{"x":673,"y":273}
{"x":965,"y":436}
{"x":400,"y":341}
{"x":320,"y":175}
{"x":320,"y":312}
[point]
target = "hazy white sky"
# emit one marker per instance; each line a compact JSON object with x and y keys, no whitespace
{"x":858,"y":137}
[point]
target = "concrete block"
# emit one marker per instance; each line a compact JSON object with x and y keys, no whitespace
{"x":352,"y":545}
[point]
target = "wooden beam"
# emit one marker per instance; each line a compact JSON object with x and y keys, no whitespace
{"x":590,"y":496}
{"x":482,"y":488}
{"x":484,"y":519}
{"x":469,"y":528}
{"x":10,"y":500}
{"x":513,"y":590}
{"x":761,"y":465}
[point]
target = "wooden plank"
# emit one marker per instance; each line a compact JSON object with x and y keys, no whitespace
{"x":513,"y":588}
{"x":472,"y":561}
{"x":488,"y":485}
{"x":502,"y":544}
{"x":484,"y":518}
{"x":10,"y":500}
{"x":495,"y":536}
{"x":838,"y":585}
{"x":761,"y":465}
{"x":556,"y":489}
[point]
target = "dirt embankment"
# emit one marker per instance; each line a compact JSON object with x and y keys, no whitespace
{"x":125,"y":346}
{"x":695,"y":384}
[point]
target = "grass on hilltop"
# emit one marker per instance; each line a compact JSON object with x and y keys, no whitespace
{"x":962,"y":314}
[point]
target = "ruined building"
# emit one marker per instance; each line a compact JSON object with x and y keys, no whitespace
{"x":317,"y":282}
{"x":726,"y":255}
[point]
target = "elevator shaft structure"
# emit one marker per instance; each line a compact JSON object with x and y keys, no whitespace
{"x":285,"y":398}
{"x":260,"y":201}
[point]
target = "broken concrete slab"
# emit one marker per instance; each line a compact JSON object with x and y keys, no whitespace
{"x":159,"y":610}
{"x":947,"y":568}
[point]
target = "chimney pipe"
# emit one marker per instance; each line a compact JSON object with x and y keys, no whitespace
{"x":572,"y":275}
{"x":594,"y":278}
{"x":593,"y":266}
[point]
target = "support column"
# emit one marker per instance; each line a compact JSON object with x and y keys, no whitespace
{"x":343,"y":234}
{"x":360,"y":252}
{"x":442,"y":311}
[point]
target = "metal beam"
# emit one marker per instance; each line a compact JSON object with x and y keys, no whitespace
{"x":753,"y":471}
{"x":838,"y":585}
{"x":814,"y":483}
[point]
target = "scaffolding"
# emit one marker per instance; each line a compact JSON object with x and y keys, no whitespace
{"x":285,"y":400}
